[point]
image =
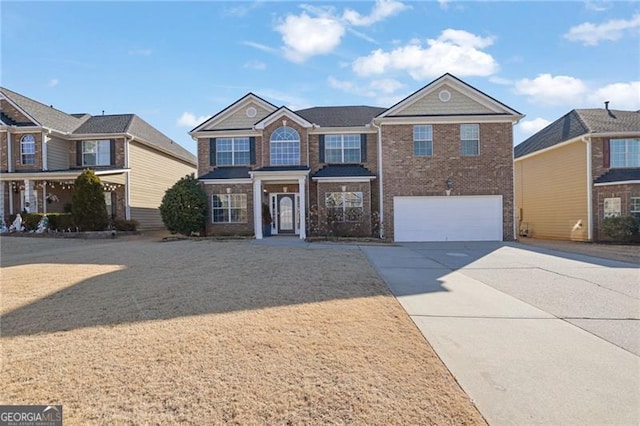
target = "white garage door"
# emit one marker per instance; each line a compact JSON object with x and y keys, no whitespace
{"x":470,"y":218}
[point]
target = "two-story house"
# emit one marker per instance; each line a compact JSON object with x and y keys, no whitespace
{"x":436,"y":166}
{"x":43,"y":150}
{"x":580,"y":169}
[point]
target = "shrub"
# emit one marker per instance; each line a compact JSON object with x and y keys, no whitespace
{"x":183,"y":207}
{"x":621,"y":228}
{"x":88,"y":207}
{"x":125,"y":225}
{"x":61,"y":222}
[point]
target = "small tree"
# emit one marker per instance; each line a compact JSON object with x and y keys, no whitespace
{"x":88,"y":208}
{"x":183,"y":207}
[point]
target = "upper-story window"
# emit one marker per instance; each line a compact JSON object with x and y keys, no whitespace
{"x":28,"y":149}
{"x":285,"y":147}
{"x":469,"y":140}
{"x":342,"y":148}
{"x":96,"y":153}
{"x":625,"y":152}
{"x":233,"y":151}
{"x":423,"y":140}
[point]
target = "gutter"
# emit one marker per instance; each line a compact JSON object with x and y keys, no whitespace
{"x":587,"y":140}
{"x":380,"y":186}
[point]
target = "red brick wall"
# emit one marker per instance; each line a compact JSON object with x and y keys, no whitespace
{"x":3,"y":152}
{"x":363,"y":228}
{"x":230,"y":228}
{"x":624,"y":192}
{"x":17,"y":157}
{"x":490,"y":173}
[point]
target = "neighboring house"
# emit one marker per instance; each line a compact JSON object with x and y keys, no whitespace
{"x":436,"y":166}
{"x":578,"y":170}
{"x":43,"y":150}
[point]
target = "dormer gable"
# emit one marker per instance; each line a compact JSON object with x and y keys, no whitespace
{"x":241,"y":115}
{"x":282,"y":113}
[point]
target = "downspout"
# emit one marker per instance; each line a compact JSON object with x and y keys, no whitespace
{"x":380,"y":186}
{"x":587,"y":141}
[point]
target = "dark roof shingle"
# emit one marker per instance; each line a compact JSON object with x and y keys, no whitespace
{"x":580,"y":122}
{"x":619,"y":175}
{"x":343,"y":170}
{"x":228,"y":173}
{"x":340,"y":116}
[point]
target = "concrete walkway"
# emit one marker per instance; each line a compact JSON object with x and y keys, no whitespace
{"x":532,"y":336}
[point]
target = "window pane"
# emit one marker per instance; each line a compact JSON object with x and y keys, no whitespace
{"x":351,"y":141}
{"x":352,"y":155}
{"x":422,"y":132}
{"x":333,"y":156}
{"x":223,"y":145}
{"x":104,"y":153}
{"x":89,"y":159}
{"x":469,"y":148}
{"x":242,"y":158}
{"x":241,"y":144}
{"x":469,"y":131}
{"x":353,"y":199}
{"x":333,"y":199}
{"x":423,"y":148}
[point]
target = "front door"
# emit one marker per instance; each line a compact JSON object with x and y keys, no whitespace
{"x":286,"y":213}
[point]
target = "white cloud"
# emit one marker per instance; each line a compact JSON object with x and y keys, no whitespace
{"x":382,"y":90}
{"x":625,"y":96}
{"x":387,"y":86}
{"x":500,"y":80}
{"x":381,"y":10}
{"x":260,"y":46}
{"x":53,"y":82}
{"x":256,"y":65}
{"x":292,"y":102}
{"x":552,"y":90}
{"x":597,"y":6}
{"x":591,"y":34}
{"x":529,"y":127}
{"x":444,"y":4}
{"x":305,"y":36}
{"x":456,"y":51}
{"x":188,"y":119}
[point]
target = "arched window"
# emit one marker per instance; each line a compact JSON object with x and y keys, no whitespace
{"x":285,"y":147}
{"x":28,"y":149}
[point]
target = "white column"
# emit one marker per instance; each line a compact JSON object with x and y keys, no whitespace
{"x":11,"y":193}
{"x":127,"y":195}
{"x":9,"y":154}
{"x":27,"y":196}
{"x":45,"y":162}
{"x":257,"y":208}
{"x":2,"y":200}
{"x":303,"y":207}
{"x":44,"y":197}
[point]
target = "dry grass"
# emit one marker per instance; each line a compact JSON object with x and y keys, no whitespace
{"x":141,"y":332}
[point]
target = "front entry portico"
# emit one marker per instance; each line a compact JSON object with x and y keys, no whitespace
{"x":287,"y":204}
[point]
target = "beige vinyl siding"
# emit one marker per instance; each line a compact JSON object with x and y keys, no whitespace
{"x":458,"y":104}
{"x":152,"y":173}
{"x":239,"y":119}
{"x":58,"y":154}
{"x":551,"y":193}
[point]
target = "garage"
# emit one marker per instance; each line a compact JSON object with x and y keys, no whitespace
{"x":463,"y":218}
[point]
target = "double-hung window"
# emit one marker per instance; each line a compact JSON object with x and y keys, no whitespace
{"x":229,"y":208}
{"x":342,"y":148}
{"x":28,"y":150}
{"x":345,"y":206}
{"x":423,"y":140}
{"x":635,"y":207}
{"x":96,"y":153}
{"x":469,"y":140}
{"x":624,"y":152}
{"x":233,"y":151}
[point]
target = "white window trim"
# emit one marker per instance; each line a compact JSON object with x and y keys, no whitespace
{"x":634,"y":213}
{"x":342,"y":135}
{"x":627,"y":152}
{"x":233,"y":152}
{"x":97,"y":154}
{"x":466,"y":140}
{"x":422,"y":140}
{"x":229,"y":208}
{"x":23,"y":143}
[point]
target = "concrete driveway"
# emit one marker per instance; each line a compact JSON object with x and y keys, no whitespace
{"x":533,"y":335}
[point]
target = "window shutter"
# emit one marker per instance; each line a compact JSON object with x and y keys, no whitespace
{"x":606,"y":154}
{"x":252,"y":150}
{"x":79,"y":153}
{"x":363,"y":147}
{"x":112,"y":152}
{"x":212,"y":151}
{"x":321,"y":145}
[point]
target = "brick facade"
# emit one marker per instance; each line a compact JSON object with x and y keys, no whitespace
{"x":490,"y":173}
{"x":3,"y":152}
{"x":17,"y":157}
{"x":229,"y":228}
{"x":624,"y":192}
{"x":360,"y":228}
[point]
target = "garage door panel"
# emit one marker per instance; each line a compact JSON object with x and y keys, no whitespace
{"x":470,"y":218}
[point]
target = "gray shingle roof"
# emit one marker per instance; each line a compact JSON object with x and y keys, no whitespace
{"x":228,"y":173}
{"x":45,"y":115}
{"x":343,"y":170}
{"x":137,"y":127}
{"x":340,"y":116}
{"x":619,"y":175}
{"x":580,"y":122}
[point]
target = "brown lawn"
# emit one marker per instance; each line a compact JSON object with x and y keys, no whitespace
{"x":140,"y":332}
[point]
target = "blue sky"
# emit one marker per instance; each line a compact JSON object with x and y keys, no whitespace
{"x":175,"y":63}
